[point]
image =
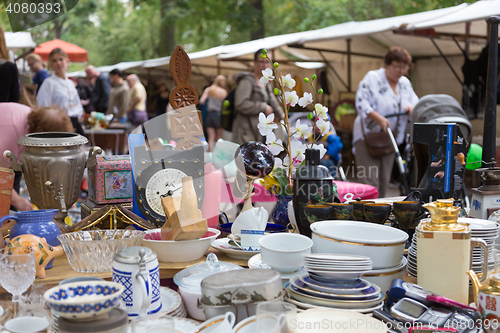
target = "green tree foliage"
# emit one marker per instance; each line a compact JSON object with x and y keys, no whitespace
{"x":126,"y":30}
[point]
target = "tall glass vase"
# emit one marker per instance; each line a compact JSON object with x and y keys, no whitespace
{"x":280,"y":211}
{"x":312,"y":184}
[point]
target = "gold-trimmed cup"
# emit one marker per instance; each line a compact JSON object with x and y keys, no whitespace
{"x":341,"y":211}
{"x":318,"y":212}
{"x":357,"y":212}
{"x":405,"y":212}
{"x":377,"y":212}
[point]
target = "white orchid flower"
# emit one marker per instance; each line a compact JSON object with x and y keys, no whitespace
{"x":321,"y":148}
{"x":266,"y":124}
{"x":267,"y":75}
{"x":321,"y":111}
{"x":306,"y":99}
{"x":278,"y":163}
{"x":291,"y":98}
{"x":275,"y":146}
{"x":323,"y":126}
{"x":288,"y":81}
{"x":301,"y":130}
{"x":297,"y":149}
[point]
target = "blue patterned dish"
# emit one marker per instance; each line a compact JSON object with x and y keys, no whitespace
{"x":352,"y":288}
{"x":85,"y":299}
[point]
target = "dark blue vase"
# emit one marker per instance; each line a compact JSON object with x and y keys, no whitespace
{"x":280,"y":211}
{"x":36,"y":222}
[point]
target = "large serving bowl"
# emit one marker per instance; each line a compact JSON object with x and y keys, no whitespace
{"x":92,"y":251}
{"x":81,"y":300}
{"x":179,"y":251}
{"x":383,"y":277}
{"x":383,"y":244}
{"x":285,"y":252}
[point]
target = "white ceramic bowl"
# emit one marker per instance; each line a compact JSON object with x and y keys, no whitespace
{"x":384,"y":245}
{"x":82,"y":300}
{"x":26,"y":324}
{"x":284,"y":252}
{"x":179,"y":251}
{"x":384,"y":277}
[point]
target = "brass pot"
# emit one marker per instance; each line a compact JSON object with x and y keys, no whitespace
{"x":52,"y":165}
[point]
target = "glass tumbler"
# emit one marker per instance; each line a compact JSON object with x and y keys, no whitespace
{"x":276,"y":317}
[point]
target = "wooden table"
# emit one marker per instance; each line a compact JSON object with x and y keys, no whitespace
{"x":62,"y":270}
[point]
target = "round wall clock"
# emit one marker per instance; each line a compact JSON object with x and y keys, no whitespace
{"x":159,"y":173}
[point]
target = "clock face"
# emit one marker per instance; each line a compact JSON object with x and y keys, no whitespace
{"x":163,"y":182}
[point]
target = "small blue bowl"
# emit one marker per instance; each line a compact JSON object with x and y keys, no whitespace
{"x":82,"y":300}
{"x":270,"y":228}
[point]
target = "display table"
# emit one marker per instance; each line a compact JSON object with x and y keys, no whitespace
{"x":62,"y":269}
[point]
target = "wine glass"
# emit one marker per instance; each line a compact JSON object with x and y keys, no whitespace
{"x":17,"y":271}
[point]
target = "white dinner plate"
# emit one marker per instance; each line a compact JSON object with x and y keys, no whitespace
{"x":337,"y":274}
{"x":256,"y":262}
{"x":302,"y":305}
{"x":336,"y":257}
{"x":223,"y":245}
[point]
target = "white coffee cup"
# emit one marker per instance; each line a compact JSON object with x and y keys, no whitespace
{"x":248,"y":240}
{"x":252,"y":219}
{"x":285,"y":252}
{"x":219,"y":324}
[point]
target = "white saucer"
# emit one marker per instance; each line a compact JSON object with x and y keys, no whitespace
{"x":303,"y":305}
{"x":170,"y":302}
{"x":222,"y":244}
{"x":256,"y":262}
{"x":182,"y":325}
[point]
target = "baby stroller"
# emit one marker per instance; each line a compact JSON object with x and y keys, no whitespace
{"x":433,"y":109}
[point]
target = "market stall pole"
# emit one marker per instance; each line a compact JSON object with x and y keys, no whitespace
{"x":489,"y":138}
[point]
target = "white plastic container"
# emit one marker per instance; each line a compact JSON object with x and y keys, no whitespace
{"x":189,"y":282}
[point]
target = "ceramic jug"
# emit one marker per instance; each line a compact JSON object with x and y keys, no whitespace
{"x":36,"y":222}
{"x":137,"y":269}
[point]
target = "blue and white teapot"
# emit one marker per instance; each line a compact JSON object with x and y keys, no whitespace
{"x":137,"y":269}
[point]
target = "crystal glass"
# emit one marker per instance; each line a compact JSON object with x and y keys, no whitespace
{"x":152,"y":324}
{"x":276,"y":317}
{"x":92,"y":251}
{"x":17,"y":271}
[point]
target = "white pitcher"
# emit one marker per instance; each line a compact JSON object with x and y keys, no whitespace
{"x":252,"y":219}
{"x":137,"y":269}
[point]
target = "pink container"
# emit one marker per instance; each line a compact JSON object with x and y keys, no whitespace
{"x":110,"y":181}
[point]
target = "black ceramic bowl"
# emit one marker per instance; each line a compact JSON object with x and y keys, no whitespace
{"x":357,"y":213}
{"x":318,"y":212}
{"x":341,"y":211}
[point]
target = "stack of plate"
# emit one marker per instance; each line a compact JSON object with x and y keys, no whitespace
{"x":308,"y":291}
{"x":337,"y":266}
{"x":333,"y":280}
{"x":483,"y":229}
{"x":172,"y":303}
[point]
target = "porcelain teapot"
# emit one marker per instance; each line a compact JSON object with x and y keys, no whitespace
{"x":487,"y":298}
{"x":137,"y":269}
{"x":251,"y":219}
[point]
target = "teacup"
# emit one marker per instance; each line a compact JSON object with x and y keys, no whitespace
{"x":219,"y":324}
{"x":285,"y":252}
{"x":318,"y":212}
{"x":357,"y":213}
{"x":405,"y":212}
{"x":377,"y":212}
{"x":341,"y":211}
{"x":248,"y":240}
{"x":252,"y":219}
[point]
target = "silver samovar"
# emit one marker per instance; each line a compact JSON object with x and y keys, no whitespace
{"x":52,"y":165}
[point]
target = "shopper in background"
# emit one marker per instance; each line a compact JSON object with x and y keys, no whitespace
{"x":37,"y":66}
{"x":382,"y":92}
{"x":213,"y":96}
{"x":118,"y":99}
{"x":60,"y":90}
{"x":136,"y":110}
{"x":100,"y":90}
{"x":19,"y":120}
{"x":9,"y":77}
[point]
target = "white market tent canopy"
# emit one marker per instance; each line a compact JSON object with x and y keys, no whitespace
{"x":351,"y":49}
{"x":19,"y":40}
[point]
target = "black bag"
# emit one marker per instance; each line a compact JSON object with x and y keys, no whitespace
{"x":228,"y":111}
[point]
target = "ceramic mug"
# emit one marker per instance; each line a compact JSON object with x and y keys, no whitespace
{"x":141,"y":278}
{"x":252,"y":219}
{"x":219,"y":324}
{"x":248,"y":240}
